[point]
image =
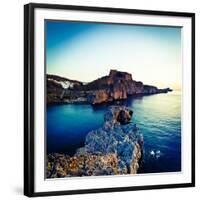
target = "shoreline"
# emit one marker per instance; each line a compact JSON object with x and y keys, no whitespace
{"x":114,"y":148}
{"x":85,"y":102}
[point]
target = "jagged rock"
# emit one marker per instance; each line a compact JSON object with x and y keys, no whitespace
{"x":98,"y":96}
{"x":59,"y":165}
{"x":115,"y":148}
{"x":117,"y":85}
{"x":117,"y":136}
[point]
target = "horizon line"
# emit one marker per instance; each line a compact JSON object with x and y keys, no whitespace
{"x":61,"y":76}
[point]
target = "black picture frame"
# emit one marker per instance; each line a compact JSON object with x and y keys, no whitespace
{"x":29,"y":97}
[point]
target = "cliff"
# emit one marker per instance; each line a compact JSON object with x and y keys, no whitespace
{"x":116,"y":86}
{"x":115,"y":148}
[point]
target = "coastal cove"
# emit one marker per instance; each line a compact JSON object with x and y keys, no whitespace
{"x":158,"y":117}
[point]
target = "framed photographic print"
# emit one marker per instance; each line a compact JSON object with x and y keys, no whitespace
{"x":108,"y":99}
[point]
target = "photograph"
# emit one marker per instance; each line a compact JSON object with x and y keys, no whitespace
{"x":113,"y":99}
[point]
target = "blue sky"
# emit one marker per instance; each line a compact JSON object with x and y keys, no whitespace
{"x":86,"y":51}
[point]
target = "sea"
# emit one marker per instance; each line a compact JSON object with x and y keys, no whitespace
{"x":157,"y":116}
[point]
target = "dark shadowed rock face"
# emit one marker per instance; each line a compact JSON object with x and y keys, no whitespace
{"x":117,"y":85}
{"x":114,"y":148}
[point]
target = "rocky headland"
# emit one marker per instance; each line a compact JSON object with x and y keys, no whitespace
{"x":116,"y":86}
{"x":113,"y":149}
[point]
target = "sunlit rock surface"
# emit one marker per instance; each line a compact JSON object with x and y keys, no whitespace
{"x":116,"y":86}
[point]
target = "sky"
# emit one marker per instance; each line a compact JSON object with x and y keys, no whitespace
{"x":87,"y":51}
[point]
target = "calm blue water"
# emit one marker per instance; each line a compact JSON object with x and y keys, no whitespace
{"x":158,"y":117}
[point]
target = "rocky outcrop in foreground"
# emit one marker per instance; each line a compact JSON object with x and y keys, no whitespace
{"x":116,"y":86}
{"x":115,"y":148}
